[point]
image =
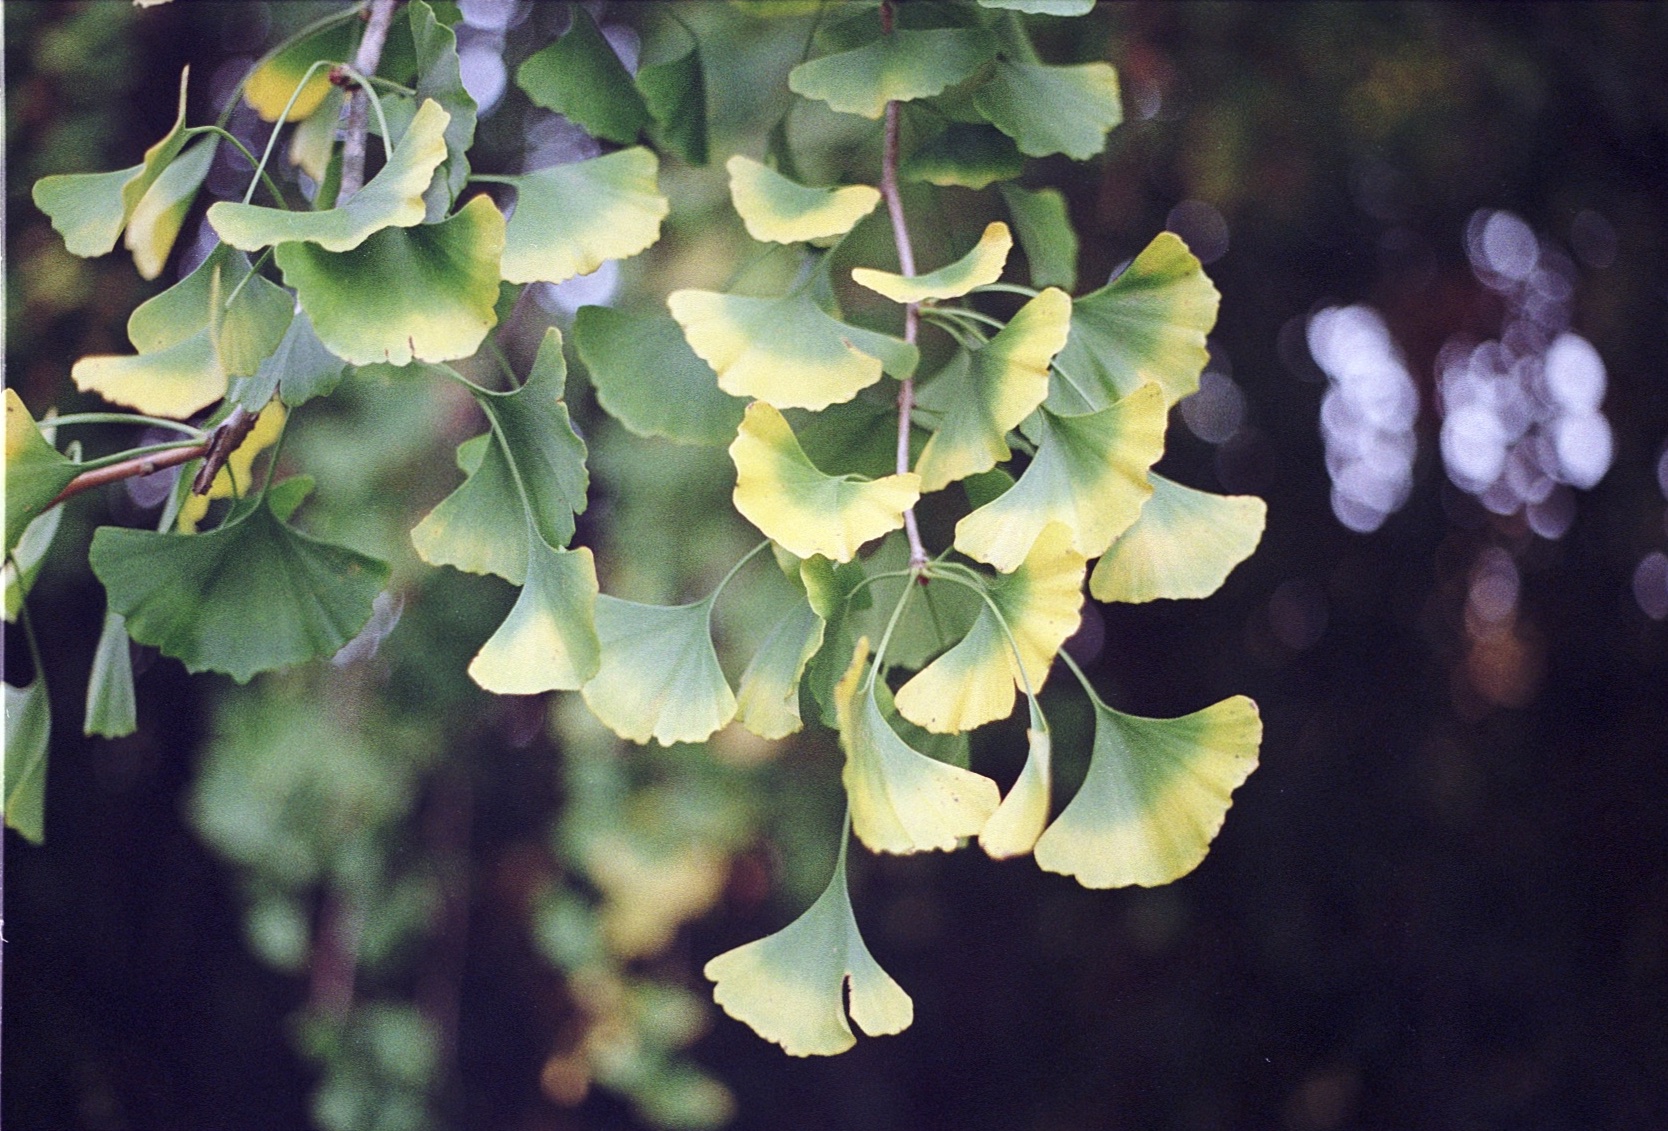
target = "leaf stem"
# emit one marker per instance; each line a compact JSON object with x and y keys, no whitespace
{"x":365,"y":62}
{"x":886,"y":637}
{"x":272,"y":138}
{"x":735,"y":569}
{"x":953,"y":572}
{"x":1088,"y":688}
{"x":260,"y":169}
{"x":151,"y":460}
{"x":127,"y":418}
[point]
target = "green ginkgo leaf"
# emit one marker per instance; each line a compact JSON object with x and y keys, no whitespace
{"x":659,"y":677}
{"x":966,"y":154}
{"x":28,"y":735}
{"x":1049,"y":109}
{"x":391,"y":199}
{"x":112,"y":710}
{"x":768,"y":702}
{"x":582,"y":78}
{"x":313,"y":142}
{"x":299,"y":369}
{"x":190,"y":342}
{"x":23,"y":564}
{"x":482,"y":526}
{"x":808,"y":513}
{"x":90,"y":209}
{"x":35,"y":470}
{"x":549,"y":640}
{"x":160,"y":213}
{"x":896,"y":67}
{"x":981,"y":395}
{"x":1154,"y":797}
{"x":902,"y":800}
{"x":1045,"y":234}
{"x":1184,"y":544}
{"x":646,"y":377}
{"x":440,"y":77}
{"x":974,"y":682}
{"x":569,"y":219}
{"x":1090,"y":473}
{"x":271,"y":84}
{"x":778,"y":210}
{"x":786,"y":351}
{"x":791,"y":987}
{"x":982,"y":265}
{"x":675,"y":92}
{"x":1148,"y":324}
{"x":425,"y":293}
{"x":1017,"y":823}
{"x":252,"y":595}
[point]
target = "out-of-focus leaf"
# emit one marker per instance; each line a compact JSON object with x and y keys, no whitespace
{"x":1052,"y":109}
{"x":35,"y":470}
{"x":581,"y":77}
{"x":111,"y":707}
{"x":675,"y":92}
{"x":1045,"y":234}
{"x":983,"y":264}
{"x":549,"y":640}
{"x":967,"y":154}
{"x":777,"y":209}
{"x":313,"y":142}
{"x":28,"y":734}
{"x":659,"y":677}
{"x":646,"y":377}
{"x":157,"y":218}
{"x":570,"y":218}
{"x":298,"y":370}
{"x":439,"y":78}
{"x":768,"y":702}
{"x":1017,"y":823}
{"x":1184,"y":544}
{"x":899,"y":67}
{"x":24,"y":562}
{"x":272,"y":83}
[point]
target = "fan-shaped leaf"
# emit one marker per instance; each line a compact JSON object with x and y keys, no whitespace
{"x":271,"y":84}
{"x":23,"y":564}
{"x":983,"y":264}
{"x":675,"y":92}
{"x":440,"y":77}
{"x":1052,"y":109}
{"x":968,"y":154}
{"x":659,"y":677}
{"x":549,"y":640}
{"x":570,"y":218}
{"x":1148,"y":324}
{"x":482,"y":526}
{"x":900,"y":66}
{"x":158,"y":216}
{"x":298,"y":370}
{"x":1155,"y":795}
{"x":1017,"y":823}
{"x":313,"y":142}
{"x":1184,"y":544}
{"x":1090,"y":472}
{"x":781,"y":492}
{"x":581,"y":77}
{"x":768,"y":702}
{"x":35,"y":470}
{"x":776,"y":209}
{"x":1045,"y":233}
{"x":28,"y":735}
{"x":111,"y":707}
{"x":646,"y":377}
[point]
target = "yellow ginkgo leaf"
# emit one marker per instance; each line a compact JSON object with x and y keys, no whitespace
{"x":659,"y":676}
{"x":779,"y":490}
{"x":1017,"y":823}
{"x":778,"y":210}
{"x":1184,"y":544}
{"x":767,"y":702}
{"x":569,"y":219}
{"x":901,"y":800}
{"x":978,"y":267}
{"x":236,"y":476}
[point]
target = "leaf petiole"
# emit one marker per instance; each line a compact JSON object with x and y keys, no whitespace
{"x":75,"y":418}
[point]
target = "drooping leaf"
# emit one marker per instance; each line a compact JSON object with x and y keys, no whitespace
{"x":482,"y":526}
{"x":35,"y":470}
{"x":427,"y":293}
{"x":675,"y":92}
{"x":1184,"y":544}
{"x":983,"y":264}
{"x":1154,"y":797}
{"x":549,"y":640}
{"x":570,"y":218}
{"x":901,"y":66}
{"x":981,"y":395}
{"x":967,"y":154}
{"x":1148,"y":324}
{"x":1017,"y":823}
{"x":974,"y":682}
{"x":391,"y":199}
{"x":1048,"y":109}
{"x":236,"y":477}
{"x":271,"y":84}
{"x":440,"y":78}
{"x":158,"y":216}
{"x":1090,"y":473}
{"x":1043,"y":7}
{"x":23,"y":564}
{"x":90,"y":209}
{"x":112,"y":710}
{"x":581,"y":77}
{"x":252,"y":595}
{"x":28,"y":735}
{"x":1045,"y":233}
{"x":646,"y":377}
{"x":901,"y":800}
{"x":777,"y":209}
{"x":768,"y":701}
{"x":313,"y":142}
{"x":786,"y":351}
{"x":781,"y":492}
{"x":298,"y":370}
{"x":790,"y":987}
{"x":659,"y":677}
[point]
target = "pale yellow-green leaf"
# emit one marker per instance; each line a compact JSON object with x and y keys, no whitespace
{"x":982,"y":265}
{"x":549,"y":640}
{"x":1184,"y":544}
{"x":778,"y":210}
{"x":768,"y":701}
{"x":237,"y":476}
{"x":1017,"y":823}
{"x":570,"y":219}
{"x":314,"y":139}
{"x":271,"y":84}
{"x":659,"y":677}
{"x":157,"y":218}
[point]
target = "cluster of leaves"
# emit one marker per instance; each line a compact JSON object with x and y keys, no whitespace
{"x":1030,"y":427}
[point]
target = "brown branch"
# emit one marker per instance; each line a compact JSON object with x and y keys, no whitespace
{"x":365,"y":61}
{"x":129,"y":469}
{"x":221,"y":444}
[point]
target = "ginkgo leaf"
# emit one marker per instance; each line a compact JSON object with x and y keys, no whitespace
{"x":791,"y":987}
{"x":570,"y":218}
{"x":973,"y":683}
{"x":1148,"y":324}
{"x":391,"y":199}
{"x":982,"y":265}
{"x":1017,"y":823}
{"x":768,"y":702}
{"x":786,"y":351}
{"x":897,"y":67}
{"x":90,"y":209}
{"x":902,"y":800}
{"x":776,"y":209}
{"x":482,"y":526}
{"x":112,"y":710}
{"x":1045,"y":234}
{"x":28,"y":736}
{"x":967,"y":154}
{"x":675,"y":92}
{"x":983,"y":394}
{"x":1090,"y":473}
{"x":548,"y":642}
{"x":299,"y":369}
{"x":313,"y":142}
{"x":249,"y":596}
{"x":1049,"y":109}
{"x":1043,"y":7}
{"x":35,"y":470}
{"x":646,"y":377}
{"x":427,"y":293}
{"x":1154,"y":797}
{"x":235,"y":477}
{"x":160,"y":213}
{"x":781,"y":492}
{"x":187,"y":349}
{"x":23,"y":564}
{"x":659,"y":677}
{"x":270,"y":85}
{"x":1184,"y":544}
{"x":440,"y":77}
{"x":581,"y":77}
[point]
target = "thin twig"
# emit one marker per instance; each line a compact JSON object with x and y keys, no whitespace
{"x":365,"y":61}
{"x":128,"y":469}
{"x":221,"y":444}
{"x":912,"y":314}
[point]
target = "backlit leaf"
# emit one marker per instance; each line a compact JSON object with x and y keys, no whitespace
{"x":271,"y":84}
{"x":1045,"y":234}
{"x":1017,"y":823}
{"x":35,"y":470}
{"x":982,"y":395}
{"x":158,"y":216}
{"x":646,"y":377}
{"x":549,"y":640}
{"x":675,"y":92}
{"x":968,"y":154}
{"x":1049,"y":109}
{"x":776,"y":209}
{"x":1090,"y":473}
{"x":1148,"y":324}
{"x":581,"y":77}
{"x":1184,"y":544}
{"x":659,"y":677}
{"x":768,"y":702}
{"x":901,"y":66}
{"x":781,"y":492}
{"x":570,"y":218}
{"x":983,"y":264}
{"x":440,"y":78}
{"x":1154,"y":797}
{"x":28,"y":735}
{"x":111,"y":708}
